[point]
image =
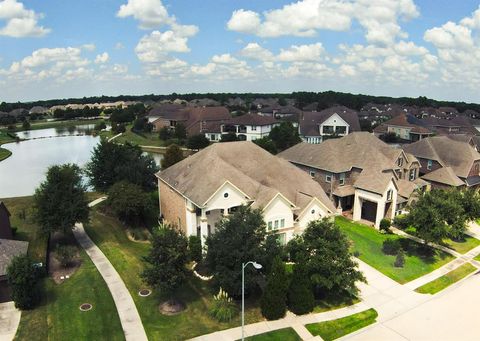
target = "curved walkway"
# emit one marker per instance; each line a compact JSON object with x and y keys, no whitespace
{"x":9,"y":320}
{"x":127,"y":311}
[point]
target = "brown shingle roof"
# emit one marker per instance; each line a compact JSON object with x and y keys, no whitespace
{"x":444,"y":175}
{"x":253,"y":119}
{"x":449,"y":153}
{"x":8,"y":250}
{"x":253,"y":170}
{"x":406,"y":120}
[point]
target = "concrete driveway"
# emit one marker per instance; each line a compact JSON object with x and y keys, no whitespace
{"x":9,"y":320}
{"x":449,"y":315}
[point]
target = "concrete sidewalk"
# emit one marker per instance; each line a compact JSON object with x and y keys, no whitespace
{"x":127,"y":311}
{"x":9,"y":320}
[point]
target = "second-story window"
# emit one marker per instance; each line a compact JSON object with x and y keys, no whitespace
{"x":342,"y":179}
{"x":254,"y":127}
{"x":389,"y":194}
{"x":328,"y":178}
{"x":312,"y":174}
{"x":429,"y":164}
{"x":412,"y":174}
{"x":400,"y":162}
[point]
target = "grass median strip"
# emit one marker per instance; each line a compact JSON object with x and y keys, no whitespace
{"x":331,"y":330}
{"x":465,"y":244}
{"x":446,"y":280}
{"x":286,"y":334}
{"x":368,"y":242}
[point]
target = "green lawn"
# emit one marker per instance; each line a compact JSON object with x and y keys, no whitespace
{"x":60,"y":303}
{"x":334,"y":302}
{"x":145,"y":139}
{"x":465,"y":244}
{"x":331,"y":330}
{"x":35,"y":125}
{"x":477,"y":258}
{"x":368,"y":242}
{"x":446,"y":280}
{"x":4,"y":153}
{"x":286,"y":334}
{"x":126,"y":256}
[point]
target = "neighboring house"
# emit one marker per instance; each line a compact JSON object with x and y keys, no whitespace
{"x":362,"y":175}
{"x":455,"y":125}
{"x":5,"y":227}
{"x":9,"y":249}
{"x":195,"y":119}
{"x":447,"y":162}
{"x":162,"y":113}
{"x":248,"y":127}
{"x":315,"y":127}
{"x":406,"y":126}
{"x":197,"y":192}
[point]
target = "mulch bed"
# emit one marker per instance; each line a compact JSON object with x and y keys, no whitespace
{"x":56,"y":270}
{"x":171,"y":307}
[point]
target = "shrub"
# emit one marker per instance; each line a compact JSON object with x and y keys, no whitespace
{"x":385,"y":225}
{"x":400,"y":259}
{"x":274,"y":299}
{"x":295,"y":249}
{"x":402,"y":221}
{"x":198,"y":141}
{"x":356,"y":253}
{"x":300,"y":294}
{"x":65,"y":254}
{"x":391,"y":246}
{"x":195,"y":248}
{"x":223,"y":308}
{"x":22,"y":278}
{"x":129,"y":202}
{"x":100,"y":126}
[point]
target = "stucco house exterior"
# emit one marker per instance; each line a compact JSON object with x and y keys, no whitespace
{"x":315,"y":127}
{"x":196,"y":193}
{"x":365,"y":177}
{"x":249,"y":127}
{"x":447,"y":162}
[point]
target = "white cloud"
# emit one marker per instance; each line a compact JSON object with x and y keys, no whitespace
{"x":156,"y":46}
{"x":225,"y":58}
{"x":304,"y":18}
{"x":20,"y":22}
{"x":301,"y":53}
{"x":450,"y":35}
{"x":102,"y":58}
{"x":203,"y":70}
{"x":255,"y":51}
{"x":89,"y":47}
{"x":150,"y":13}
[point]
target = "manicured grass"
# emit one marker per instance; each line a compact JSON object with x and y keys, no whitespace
{"x":22,"y":219}
{"x":4,"y":153}
{"x":331,"y":330}
{"x":477,"y":258}
{"x":465,"y":244}
{"x":4,"y":138}
{"x":59,"y":303}
{"x":145,"y":139}
{"x":286,"y":334}
{"x":126,"y":256}
{"x":419,"y":260}
{"x":446,"y":280}
{"x":334,"y":302}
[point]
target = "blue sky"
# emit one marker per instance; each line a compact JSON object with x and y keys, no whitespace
{"x":54,"y":49}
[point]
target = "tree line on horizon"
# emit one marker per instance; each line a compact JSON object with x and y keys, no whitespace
{"x":325,"y":99}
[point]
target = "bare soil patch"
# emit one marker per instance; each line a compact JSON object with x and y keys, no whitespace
{"x":171,"y":307}
{"x":56,"y":270}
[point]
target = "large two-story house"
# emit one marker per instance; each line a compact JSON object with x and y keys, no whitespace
{"x":361,"y":174}
{"x":447,"y":162}
{"x":406,"y":127}
{"x":315,"y":127}
{"x":247,"y":127}
{"x":196,"y":193}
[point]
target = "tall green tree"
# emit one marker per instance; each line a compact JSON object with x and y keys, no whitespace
{"x":180,"y":131}
{"x":130,"y":203}
{"x":166,"y":262}
{"x":237,"y":239}
{"x":22,"y":278}
{"x":267,"y":144}
{"x":300,"y":294}
{"x":284,"y":136}
{"x":198,"y":141}
{"x":60,"y":200}
{"x":274,"y":298}
{"x":111,"y":163}
{"x":329,"y":262}
{"x":172,"y":155}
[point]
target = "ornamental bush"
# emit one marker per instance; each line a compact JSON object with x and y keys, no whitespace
{"x":195,"y":248}
{"x":300,"y":293}
{"x":400,"y":259}
{"x":223,"y":308}
{"x":274,"y":299}
{"x":385,"y":225}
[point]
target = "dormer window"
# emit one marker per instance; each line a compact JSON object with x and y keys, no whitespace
{"x":400,"y":162}
{"x":328,"y":178}
{"x":342,"y":179}
{"x":429,"y":164}
{"x":389,"y":195}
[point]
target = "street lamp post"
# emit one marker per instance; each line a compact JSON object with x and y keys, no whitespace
{"x":244,"y":265}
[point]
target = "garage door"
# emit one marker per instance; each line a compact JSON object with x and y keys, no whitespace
{"x":369,"y":211}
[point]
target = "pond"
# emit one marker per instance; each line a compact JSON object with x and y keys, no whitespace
{"x":55,"y":132}
{"x":25,"y":169}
